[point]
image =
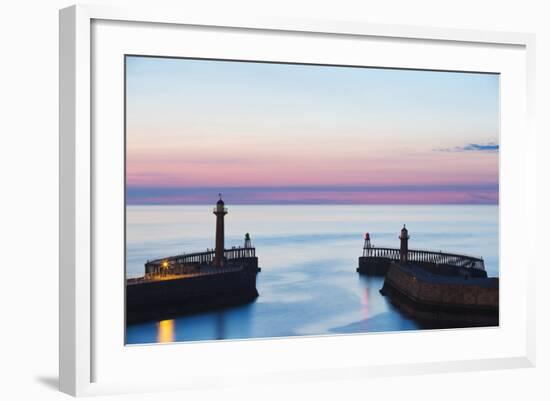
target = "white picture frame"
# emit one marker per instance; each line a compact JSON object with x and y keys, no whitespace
{"x":80,"y":341}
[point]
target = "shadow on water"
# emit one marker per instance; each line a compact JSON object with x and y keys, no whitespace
{"x":228,"y":323}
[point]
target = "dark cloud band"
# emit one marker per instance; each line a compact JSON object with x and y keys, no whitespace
{"x":490,"y":147}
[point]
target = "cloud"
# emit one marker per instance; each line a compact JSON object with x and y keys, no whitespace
{"x":489,"y":147}
{"x":474,"y":193}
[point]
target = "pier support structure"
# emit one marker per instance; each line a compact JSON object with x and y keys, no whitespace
{"x":220,"y":211}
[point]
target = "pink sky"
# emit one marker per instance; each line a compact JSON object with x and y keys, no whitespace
{"x":195,"y":124}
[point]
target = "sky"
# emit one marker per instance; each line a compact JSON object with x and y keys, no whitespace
{"x":271,"y":133}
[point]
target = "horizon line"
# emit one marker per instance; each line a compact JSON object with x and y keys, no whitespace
{"x":314,"y":204}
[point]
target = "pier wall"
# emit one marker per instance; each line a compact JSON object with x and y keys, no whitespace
{"x":466,"y":302}
{"x":163,"y":299}
{"x":373,"y":266}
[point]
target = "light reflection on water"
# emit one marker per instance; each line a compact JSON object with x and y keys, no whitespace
{"x":308,"y":254}
{"x":166,"y":332}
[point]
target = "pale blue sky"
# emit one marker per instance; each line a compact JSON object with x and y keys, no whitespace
{"x":265,"y":124}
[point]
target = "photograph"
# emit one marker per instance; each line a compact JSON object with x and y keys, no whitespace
{"x":267,"y":199}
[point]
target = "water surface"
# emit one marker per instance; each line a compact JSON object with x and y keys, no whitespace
{"x":308,"y":255}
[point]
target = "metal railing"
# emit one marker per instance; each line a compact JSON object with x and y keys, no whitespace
{"x":202,"y":258}
{"x":424,"y":256}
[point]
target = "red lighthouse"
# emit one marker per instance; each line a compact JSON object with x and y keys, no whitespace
{"x":367,"y":246}
{"x":220,"y":211}
{"x":404,"y":248}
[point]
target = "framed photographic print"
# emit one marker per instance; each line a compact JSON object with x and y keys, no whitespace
{"x":313,"y":192}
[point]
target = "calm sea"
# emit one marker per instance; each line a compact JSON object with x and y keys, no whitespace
{"x":308,"y":254}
